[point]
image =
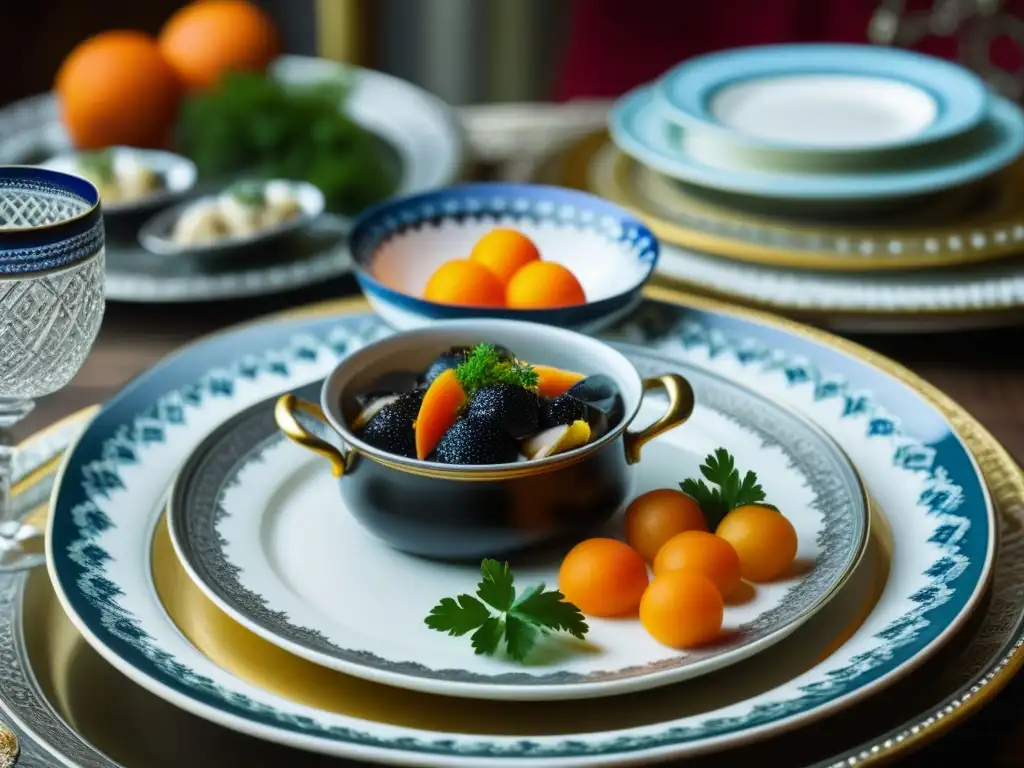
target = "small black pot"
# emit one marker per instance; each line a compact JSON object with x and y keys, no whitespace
{"x":452,"y":512}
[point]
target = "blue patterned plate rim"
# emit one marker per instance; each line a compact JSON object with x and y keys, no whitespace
{"x":638,"y":127}
{"x":196,"y":507}
{"x":521,"y":201}
{"x":960,"y":95}
{"x":921,"y":440}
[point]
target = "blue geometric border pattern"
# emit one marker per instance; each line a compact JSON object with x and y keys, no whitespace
{"x":48,"y":220}
{"x":953,"y":495}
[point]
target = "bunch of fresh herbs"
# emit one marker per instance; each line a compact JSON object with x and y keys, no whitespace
{"x":254,"y":125}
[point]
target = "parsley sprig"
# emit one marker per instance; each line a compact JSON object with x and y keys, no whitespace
{"x":495,"y":614}
{"x":719,"y":468}
{"x":100,"y":163}
{"x":485,"y":367}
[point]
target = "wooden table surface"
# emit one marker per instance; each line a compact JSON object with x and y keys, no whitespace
{"x":982,"y":370}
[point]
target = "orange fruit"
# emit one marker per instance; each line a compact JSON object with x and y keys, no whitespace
{"x":206,"y":38}
{"x":465,"y":283}
{"x":703,"y":553}
{"x":116,"y":88}
{"x":603,"y":577}
{"x":544,"y":285}
{"x":656,"y":516}
{"x":764,"y":539}
{"x":682,"y":609}
{"x":504,"y":252}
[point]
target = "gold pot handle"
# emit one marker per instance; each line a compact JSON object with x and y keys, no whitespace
{"x":680,"y":407}
{"x":284,"y":415}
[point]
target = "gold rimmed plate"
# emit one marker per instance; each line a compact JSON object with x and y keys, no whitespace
{"x":114,"y":482}
{"x":46,"y":690}
{"x":979,"y":223}
{"x":259,"y":525}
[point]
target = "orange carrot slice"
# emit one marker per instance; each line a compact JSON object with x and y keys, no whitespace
{"x":552,"y":382}
{"x":438,"y":411}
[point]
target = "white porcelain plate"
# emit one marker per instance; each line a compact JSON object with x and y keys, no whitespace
{"x":640,"y":127}
{"x":113,"y":485}
{"x":260,"y":527}
{"x":824,"y":111}
{"x":824,"y":97}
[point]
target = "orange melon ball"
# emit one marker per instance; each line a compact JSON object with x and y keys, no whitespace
{"x":465,"y":283}
{"x":656,"y":516}
{"x":207,"y":38}
{"x":603,"y":577}
{"x":703,"y":553}
{"x":682,"y":609}
{"x":544,"y":285}
{"x":116,"y":88}
{"x":764,"y":539}
{"x":504,"y":252}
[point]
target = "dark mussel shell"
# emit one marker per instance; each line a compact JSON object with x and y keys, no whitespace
{"x":602,"y":397}
{"x":561,"y":410}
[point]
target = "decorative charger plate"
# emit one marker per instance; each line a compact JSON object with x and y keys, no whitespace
{"x":961,"y":227}
{"x":257,"y":522}
{"x":421,"y":131}
{"x":112,"y":488}
{"x":44,"y":656}
{"x":638,"y":126}
{"x":824,"y":98}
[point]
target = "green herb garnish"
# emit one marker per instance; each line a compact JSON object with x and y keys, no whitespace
{"x":484,"y":367}
{"x":495,"y":614}
{"x":720,"y":469}
{"x":248,"y":193}
{"x":99,"y":163}
{"x":250,"y":123}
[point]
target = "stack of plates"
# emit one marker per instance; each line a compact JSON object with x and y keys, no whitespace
{"x":197,"y":551}
{"x":837,"y":182}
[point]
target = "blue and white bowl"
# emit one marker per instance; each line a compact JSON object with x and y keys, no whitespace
{"x":398,"y":245}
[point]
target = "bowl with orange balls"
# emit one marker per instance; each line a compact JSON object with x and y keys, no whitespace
{"x":514,"y":251}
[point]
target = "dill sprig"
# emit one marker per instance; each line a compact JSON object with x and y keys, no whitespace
{"x":485,"y":367}
{"x":98,"y":162}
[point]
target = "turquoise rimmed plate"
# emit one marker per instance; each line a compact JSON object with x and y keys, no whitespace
{"x":640,"y":126}
{"x":112,"y":488}
{"x":824,"y":98}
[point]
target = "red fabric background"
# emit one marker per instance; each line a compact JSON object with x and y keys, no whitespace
{"x":617,"y":44}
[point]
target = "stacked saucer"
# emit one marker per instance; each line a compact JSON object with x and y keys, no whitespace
{"x":822,"y":123}
{"x":840,"y":184}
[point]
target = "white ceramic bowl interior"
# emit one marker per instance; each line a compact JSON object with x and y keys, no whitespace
{"x":605,"y":268}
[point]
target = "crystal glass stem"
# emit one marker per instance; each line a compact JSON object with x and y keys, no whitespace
{"x":11,"y":412}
